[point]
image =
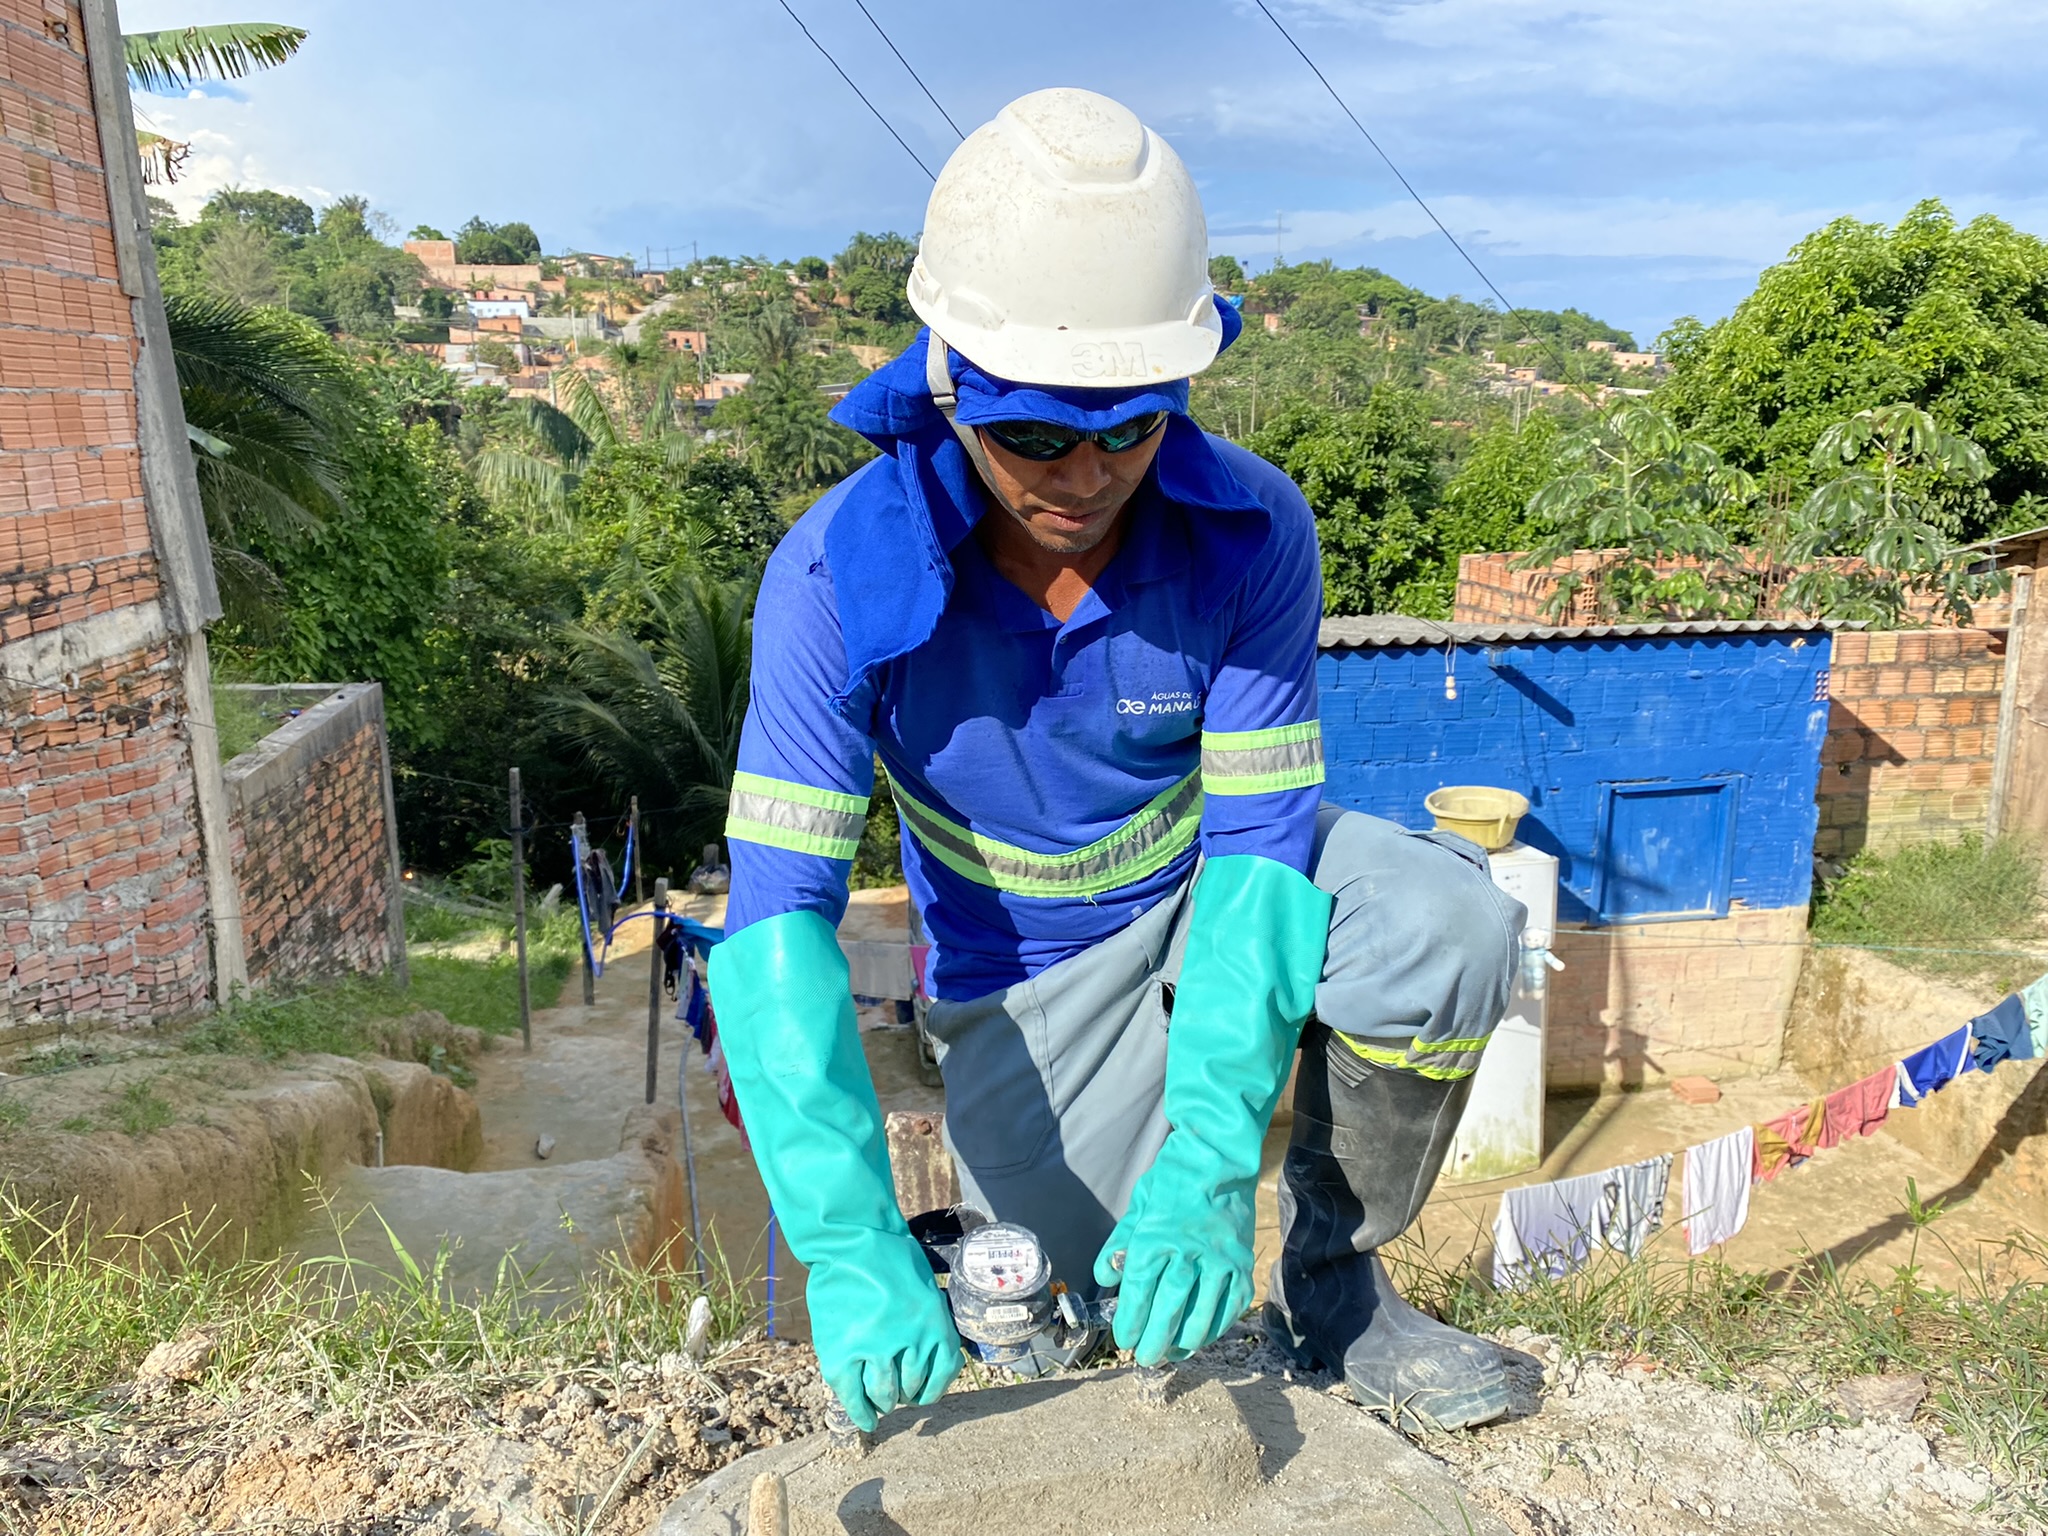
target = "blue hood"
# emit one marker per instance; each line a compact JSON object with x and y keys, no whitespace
{"x":890,"y":542}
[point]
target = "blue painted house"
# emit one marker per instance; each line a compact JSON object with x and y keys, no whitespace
{"x":1670,"y":767}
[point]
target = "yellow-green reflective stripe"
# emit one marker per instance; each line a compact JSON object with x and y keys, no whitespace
{"x":802,"y":794}
{"x":737,"y":830}
{"x":799,"y":817}
{"x":1152,"y":838}
{"x":1443,"y":1060}
{"x":1262,"y":762}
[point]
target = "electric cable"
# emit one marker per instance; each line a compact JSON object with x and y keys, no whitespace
{"x":1409,"y":187}
{"x":928,"y":96}
{"x":856,"y":89}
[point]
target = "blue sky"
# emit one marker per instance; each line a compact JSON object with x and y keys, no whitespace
{"x":1640,"y":159}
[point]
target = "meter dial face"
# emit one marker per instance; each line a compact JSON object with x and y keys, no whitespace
{"x":1000,"y":1259}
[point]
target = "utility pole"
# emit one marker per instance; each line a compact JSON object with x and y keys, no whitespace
{"x":519,"y":912}
{"x":1279,"y":228}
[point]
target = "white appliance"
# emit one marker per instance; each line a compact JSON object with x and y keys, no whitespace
{"x":1502,"y":1129}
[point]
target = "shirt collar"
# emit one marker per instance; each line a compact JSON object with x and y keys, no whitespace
{"x":890,"y":543}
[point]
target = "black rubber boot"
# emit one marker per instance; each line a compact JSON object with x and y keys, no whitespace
{"x":1368,"y":1143}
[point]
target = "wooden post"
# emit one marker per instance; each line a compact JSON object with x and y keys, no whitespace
{"x":578,"y":840}
{"x":654,"y":988}
{"x":519,"y":912}
{"x":639,"y":853}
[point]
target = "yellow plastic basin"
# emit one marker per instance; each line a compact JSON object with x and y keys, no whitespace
{"x":1486,"y":815}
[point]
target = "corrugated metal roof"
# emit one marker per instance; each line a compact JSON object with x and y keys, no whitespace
{"x":1401,"y":629}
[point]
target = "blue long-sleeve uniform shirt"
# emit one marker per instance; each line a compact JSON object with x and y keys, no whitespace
{"x":1054,"y":779}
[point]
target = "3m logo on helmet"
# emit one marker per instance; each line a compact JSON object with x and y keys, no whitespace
{"x":1108,"y":360}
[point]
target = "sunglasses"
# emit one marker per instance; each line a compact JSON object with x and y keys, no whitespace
{"x":1043,"y":441}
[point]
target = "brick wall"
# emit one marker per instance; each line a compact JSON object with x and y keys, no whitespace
{"x":99,"y":851}
{"x":103,"y":904}
{"x":1646,"y":1002}
{"x":314,"y":850}
{"x":1492,"y":587}
{"x":74,"y":535}
{"x":1912,"y":726}
{"x":1912,"y":737}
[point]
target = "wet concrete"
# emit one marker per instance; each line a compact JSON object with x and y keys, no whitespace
{"x":1230,"y":1450}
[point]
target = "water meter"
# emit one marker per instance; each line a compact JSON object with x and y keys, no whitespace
{"x":1000,"y":1290}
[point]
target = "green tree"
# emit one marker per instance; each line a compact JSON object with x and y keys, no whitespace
{"x":658,"y":707}
{"x":813,"y":269}
{"x":513,"y":244}
{"x":269,"y":406}
{"x":1874,"y":529}
{"x":711,"y":515}
{"x":239,"y":267}
{"x":362,"y":591}
{"x":1657,"y":508}
{"x":1370,"y":476}
{"x":425,"y":232}
{"x":784,"y":422}
{"x":1486,"y":504}
{"x":1226,"y":274}
{"x":1952,"y":319}
{"x":278,"y":213}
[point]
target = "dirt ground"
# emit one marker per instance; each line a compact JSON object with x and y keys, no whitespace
{"x":1597,"y":1447}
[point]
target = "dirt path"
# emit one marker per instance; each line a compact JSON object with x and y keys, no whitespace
{"x":588,"y":1071}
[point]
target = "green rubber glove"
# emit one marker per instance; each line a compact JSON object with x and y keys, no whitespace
{"x":1248,"y":984}
{"x":883,"y":1332}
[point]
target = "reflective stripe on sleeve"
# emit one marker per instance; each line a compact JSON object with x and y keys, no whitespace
{"x":798,"y":817}
{"x":1261,"y":762}
{"x":1151,"y":839}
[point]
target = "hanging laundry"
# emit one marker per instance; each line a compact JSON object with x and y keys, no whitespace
{"x":1858,"y":1109}
{"x":1717,"y":1188}
{"x":1643,"y":1188}
{"x":1788,"y":1140}
{"x":1552,"y":1228}
{"x":2035,"y":1000}
{"x":1934,"y":1066}
{"x":2001,"y":1035}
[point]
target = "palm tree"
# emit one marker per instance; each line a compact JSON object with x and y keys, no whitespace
{"x":658,"y":707}
{"x":268,"y":400}
{"x":638,"y":401}
{"x":176,"y":59}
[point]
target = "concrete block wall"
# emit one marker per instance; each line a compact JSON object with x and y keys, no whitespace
{"x":313,"y":842}
{"x":1912,"y":738}
{"x":1912,"y":731}
{"x":103,"y":898}
{"x":1564,"y":721}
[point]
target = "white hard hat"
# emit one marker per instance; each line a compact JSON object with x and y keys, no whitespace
{"x":1064,"y":244}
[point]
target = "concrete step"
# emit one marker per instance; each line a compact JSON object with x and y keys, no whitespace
{"x":555,"y":1220}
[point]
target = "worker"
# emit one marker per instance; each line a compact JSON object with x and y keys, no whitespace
{"x":1080,"y":634}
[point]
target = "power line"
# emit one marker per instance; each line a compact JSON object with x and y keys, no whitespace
{"x":856,"y":89}
{"x":928,"y":96}
{"x":1406,"y":184}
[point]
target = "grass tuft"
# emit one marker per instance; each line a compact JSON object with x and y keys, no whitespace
{"x":1970,"y":895}
{"x":350,"y":1330}
{"x":1789,"y":1336}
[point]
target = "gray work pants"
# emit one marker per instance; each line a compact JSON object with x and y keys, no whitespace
{"x":1054,"y":1085}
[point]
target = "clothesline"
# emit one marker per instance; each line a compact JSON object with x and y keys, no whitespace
{"x":1552,"y":1228}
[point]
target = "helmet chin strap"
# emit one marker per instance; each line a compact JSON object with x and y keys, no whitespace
{"x":938,"y":374}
